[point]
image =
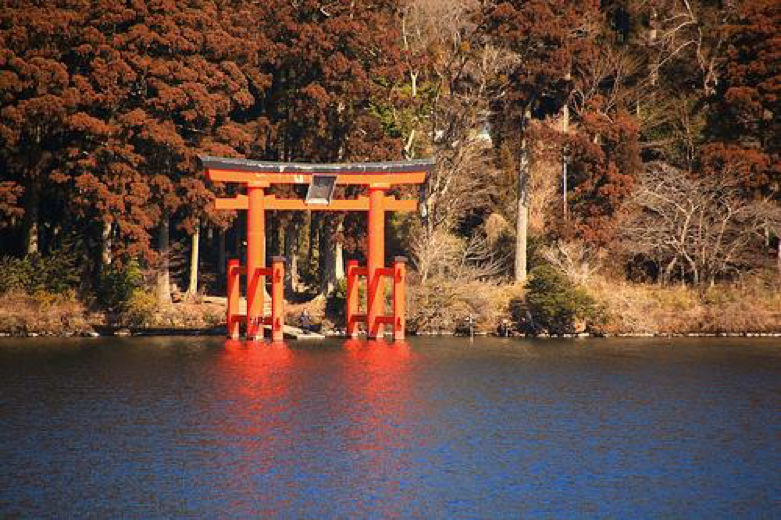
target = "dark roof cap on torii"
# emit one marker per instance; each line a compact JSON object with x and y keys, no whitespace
{"x":247,"y":165}
{"x":227,"y":169}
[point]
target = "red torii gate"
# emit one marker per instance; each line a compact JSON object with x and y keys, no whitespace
{"x":259,"y":175}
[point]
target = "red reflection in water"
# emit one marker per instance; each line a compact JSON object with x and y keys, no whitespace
{"x":378,"y":350}
{"x":272,"y":394}
{"x":255,"y":378}
{"x":252,"y":369}
{"x":256,"y":384}
{"x":378,"y":379}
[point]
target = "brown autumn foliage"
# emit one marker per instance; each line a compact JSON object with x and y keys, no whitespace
{"x":564,"y":95}
{"x":745,"y":136}
{"x":550,"y":105}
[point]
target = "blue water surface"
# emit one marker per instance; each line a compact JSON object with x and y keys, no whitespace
{"x":436,"y":428}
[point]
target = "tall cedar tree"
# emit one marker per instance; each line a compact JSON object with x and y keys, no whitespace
{"x":332,"y":66}
{"x":160,"y":82}
{"x":560,"y":48}
{"x":745,"y":130}
{"x":39,"y":100}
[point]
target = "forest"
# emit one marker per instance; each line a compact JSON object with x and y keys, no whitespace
{"x":601,"y":166}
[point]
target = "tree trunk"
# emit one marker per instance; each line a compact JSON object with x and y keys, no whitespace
{"x":327,"y":256}
{"x":291,"y":254}
{"x":339,"y":252}
{"x":652,"y":32}
{"x":54,"y":240}
{"x":314,"y":232}
{"x":778,"y":256}
{"x":668,"y":271}
{"x":564,"y":154}
{"x":239,"y":228}
{"x":221,"y":253}
{"x":653,"y":62}
{"x":192,"y":286}
{"x":105,"y":247}
{"x":522,"y":221}
{"x":521,"y":238}
{"x":31,"y":228}
{"x":272,"y":231}
{"x":163,"y":274}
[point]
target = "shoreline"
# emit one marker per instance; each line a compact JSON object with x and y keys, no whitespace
{"x":628,"y":311}
{"x":122,"y":332}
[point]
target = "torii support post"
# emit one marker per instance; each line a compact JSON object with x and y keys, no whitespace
{"x":234,"y":291}
{"x":256,"y":259}
{"x":351,"y":317}
{"x":397,"y":318}
{"x":375,"y":284}
{"x":399,"y":298}
{"x":277,"y":298}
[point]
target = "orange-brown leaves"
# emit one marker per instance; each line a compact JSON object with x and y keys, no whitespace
{"x":112,"y":101}
{"x":10,"y":194}
{"x":745,"y":129}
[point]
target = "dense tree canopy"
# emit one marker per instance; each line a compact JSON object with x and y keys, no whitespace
{"x":545,"y":113}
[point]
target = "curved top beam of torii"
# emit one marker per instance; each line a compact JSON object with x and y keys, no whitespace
{"x":223,"y":169}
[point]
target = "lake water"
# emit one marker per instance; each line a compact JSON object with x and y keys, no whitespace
{"x":437,"y":428}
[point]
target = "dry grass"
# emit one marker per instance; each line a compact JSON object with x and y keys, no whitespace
{"x":49,"y":315}
{"x":753,"y":306}
{"x":316,"y":308}
{"x":442,"y":305}
{"x":144,"y":312}
{"x":42,"y":314}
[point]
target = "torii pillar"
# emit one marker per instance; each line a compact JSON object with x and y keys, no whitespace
{"x":256,"y":258}
{"x":375,"y":262}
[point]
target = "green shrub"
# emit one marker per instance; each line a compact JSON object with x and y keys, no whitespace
{"x":139,"y":310}
{"x":55,"y":274}
{"x":555,"y":304}
{"x":118,"y":285}
{"x":337,"y":301}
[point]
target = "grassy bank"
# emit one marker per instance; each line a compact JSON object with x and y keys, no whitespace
{"x":753,"y":306}
{"x":45,"y":314}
